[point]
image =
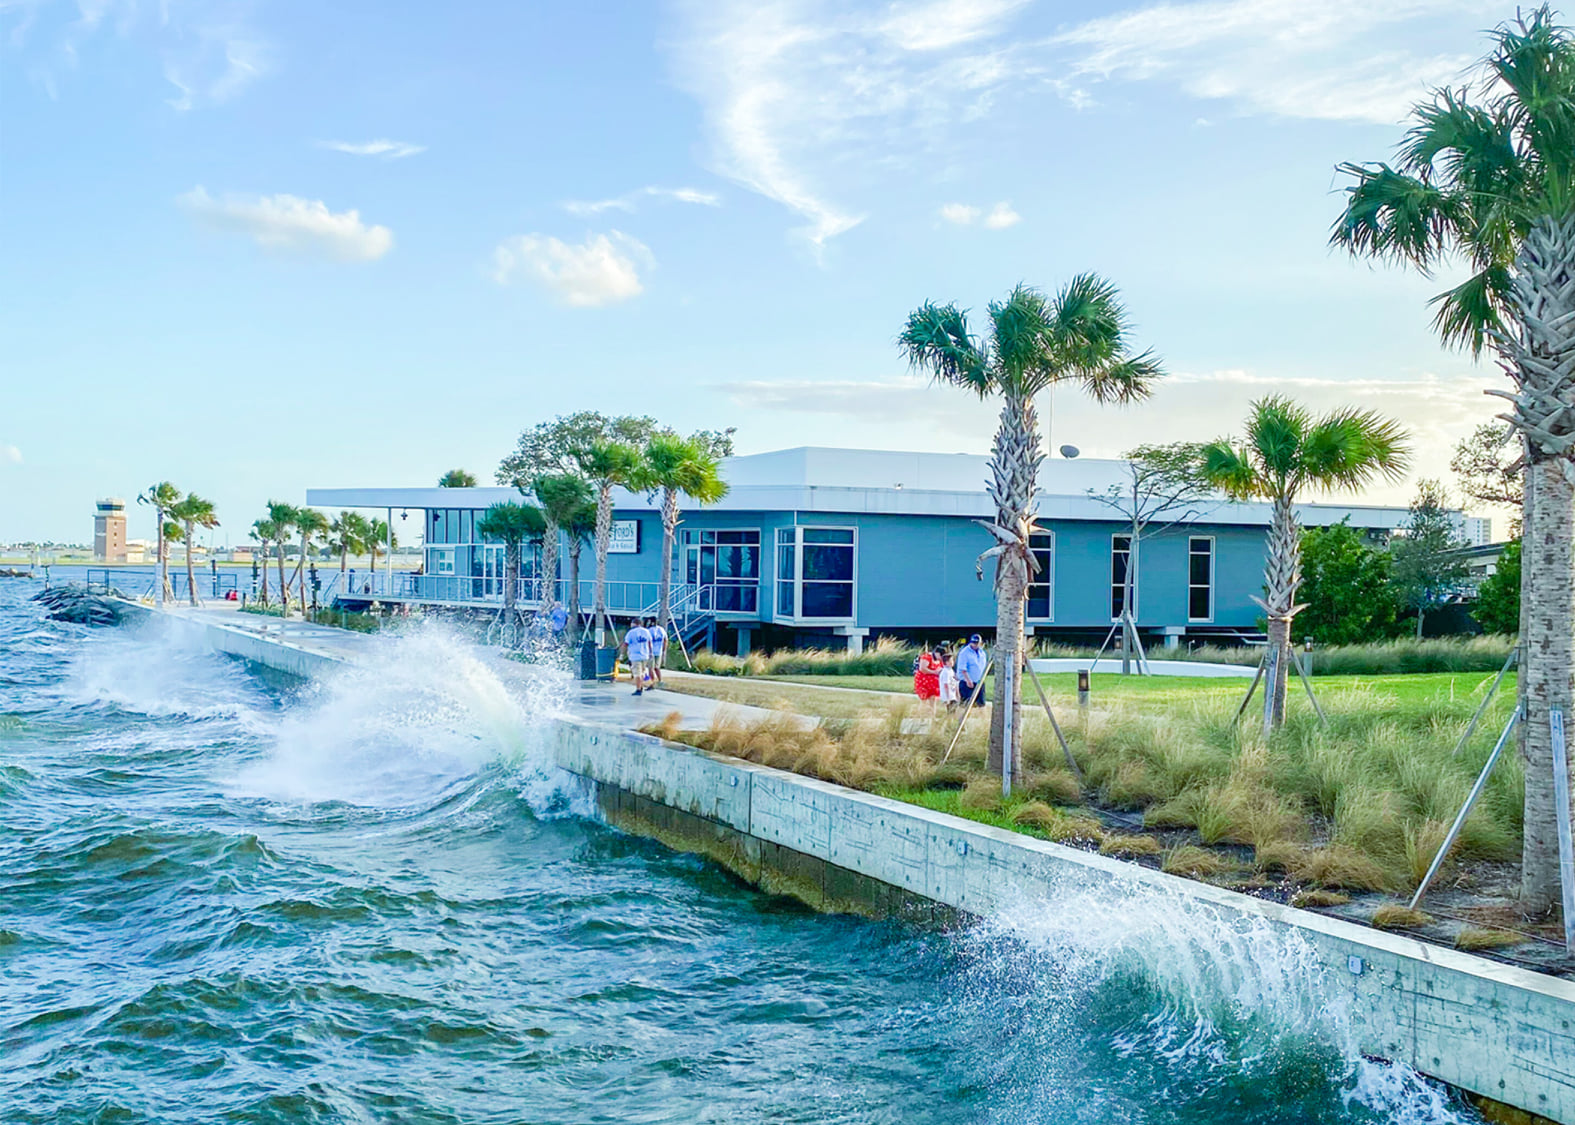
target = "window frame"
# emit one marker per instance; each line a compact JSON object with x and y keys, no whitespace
{"x":1049,"y":579}
{"x":795,"y":541}
{"x":1212,"y":587}
{"x":707,"y":537}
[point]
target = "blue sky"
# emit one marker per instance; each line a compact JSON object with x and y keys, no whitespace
{"x":256,"y":247}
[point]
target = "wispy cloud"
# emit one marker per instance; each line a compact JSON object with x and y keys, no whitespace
{"x":1342,"y":60}
{"x":289,"y":224}
{"x":209,"y":52}
{"x":388,"y":150}
{"x":602,"y":270}
{"x":629,"y":200}
{"x":798,"y":93}
{"x":10,"y":455}
{"x":999,"y":217}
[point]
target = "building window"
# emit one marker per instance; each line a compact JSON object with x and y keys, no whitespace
{"x":1120,"y":559}
{"x":1041,"y":584}
{"x":816,"y":573}
{"x":1200,"y":578}
{"x":729,"y":563}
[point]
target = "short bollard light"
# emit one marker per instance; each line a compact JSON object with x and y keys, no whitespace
{"x":1082,"y":687}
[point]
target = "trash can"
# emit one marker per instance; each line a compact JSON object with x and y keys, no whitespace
{"x":597,"y":663}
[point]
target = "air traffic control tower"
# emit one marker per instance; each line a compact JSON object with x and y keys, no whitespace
{"x":109,"y":531}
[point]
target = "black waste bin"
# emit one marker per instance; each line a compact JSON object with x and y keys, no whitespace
{"x":597,"y":663}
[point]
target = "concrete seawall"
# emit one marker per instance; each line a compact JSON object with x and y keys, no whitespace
{"x":1494,"y":1030}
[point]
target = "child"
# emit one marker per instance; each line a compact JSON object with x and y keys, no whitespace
{"x":947,"y":681}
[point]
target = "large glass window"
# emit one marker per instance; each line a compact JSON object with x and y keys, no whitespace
{"x":815,"y":573}
{"x":1120,"y":559}
{"x":1200,"y":578}
{"x":1041,"y":584}
{"x":729,"y":563}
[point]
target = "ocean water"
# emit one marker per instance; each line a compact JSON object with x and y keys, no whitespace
{"x":371,"y":901}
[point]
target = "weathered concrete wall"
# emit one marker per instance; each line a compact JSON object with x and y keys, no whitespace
{"x":1492,"y":1029}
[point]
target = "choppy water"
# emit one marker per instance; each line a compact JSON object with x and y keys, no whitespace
{"x":369,"y":903}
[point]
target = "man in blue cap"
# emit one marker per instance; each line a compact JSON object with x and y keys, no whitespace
{"x":971,"y":663}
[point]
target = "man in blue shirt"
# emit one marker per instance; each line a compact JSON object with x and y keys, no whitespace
{"x":638,"y":641}
{"x":971,"y":664}
{"x":558,"y":620}
{"x":658,"y":649}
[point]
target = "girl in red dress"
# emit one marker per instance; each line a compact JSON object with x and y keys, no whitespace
{"x":927,"y":677}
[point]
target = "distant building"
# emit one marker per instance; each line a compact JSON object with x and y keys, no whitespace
{"x":109,"y":531}
{"x":1475,"y":530}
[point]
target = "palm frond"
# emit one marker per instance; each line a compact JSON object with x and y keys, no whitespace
{"x":1276,"y":430}
{"x":1395,"y":217}
{"x":1230,"y":469}
{"x":936,"y":341}
{"x":1021,"y":328}
{"x":1088,"y":324}
{"x":1472,"y":311}
{"x":1128,"y":379}
{"x":1348,"y":448}
{"x":1534,"y":60}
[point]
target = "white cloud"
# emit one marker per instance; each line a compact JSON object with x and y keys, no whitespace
{"x":10,"y":455}
{"x":602,"y":270}
{"x":800,"y":96}
{"x":1002,"y":216}
{"x":630,"y":199}
{"x":388,"y":150}
{"x":999,"y":217}
{"x":290,"y":224}
{"x":1343,"y":60}
{"x":212,"y":63}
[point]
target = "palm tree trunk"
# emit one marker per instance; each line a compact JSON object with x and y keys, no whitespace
{"x":549,"y":564}
{"x":191,"y":574}
{"x":1281,"y":578}
{"x":300,"y":572}
{"x":1014,"y":468}
{"x":575,"y":546}
{"x":284,"y":590}
{"x":603,"y":544}
{"x":1542,"y":362}
{"x":163,"y":578}
{"x":664,"y":585}
{"x":511,"y":577}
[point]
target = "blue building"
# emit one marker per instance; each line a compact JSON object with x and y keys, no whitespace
{"x":833,"y":546}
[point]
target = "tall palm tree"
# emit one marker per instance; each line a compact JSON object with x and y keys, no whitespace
{"x":608,"y":465}
{"x":1488,"y":175}
{"x":265,"y":531}
{"x":560,"y":495}
{"x":311,"y":524}
{"x":378,"y":536}
{"x":193,"y":512}
{"x":347,"y":536}
{"x":514,"y":524}
{"x":1079,"y":336}
{"x":676,"y":466}
{"x":1286,"y":451}
{"x":283,"y":517}
{"x":579,"y":525}
{"x":161,"y":498}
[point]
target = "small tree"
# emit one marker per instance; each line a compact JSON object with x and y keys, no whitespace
{"x":265,"y":531}
{"x":1497,"y":607}
{"x":311,"y":524}
{"x":513,"y":524}
{"x":457,"y":478}
{"x":283,"y":517}
{"x":1346,"y":587}
{"x":161,"y":498}
{"x":560,"y":495}
{"x":379,"y":535}
{"x":193,"y":512}
{"x":347,"y":536}
{"x":1162,"y":488}
{"x":674,"y":467}
{"x":1286,"y":451}
{"x":608,"y":465}
{"x":559,"y":445}
{"x":1489,"y":467}
{"x":1428,"y":565}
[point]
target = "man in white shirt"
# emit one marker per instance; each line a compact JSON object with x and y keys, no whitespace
{"x":658,"y":649}
{"x":638,"y":642}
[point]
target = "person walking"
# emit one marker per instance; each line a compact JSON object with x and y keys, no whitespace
{"x":946,"y":682}
{"x":557,"y":622}
{"x":926,"y":677}
{"x":971,"y":665}
{"x":658,"y":649}
{"x":637,"y":641}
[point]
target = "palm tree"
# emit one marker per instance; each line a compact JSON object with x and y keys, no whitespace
{"x":1489,"y":176}
{"x":1078,"y":336}
{"x":579,"y":525}
{"x":283,"y":517}
{"x":265,"y":531}
{"x":1288,"y":450}
{"x":560,"y":496}
{"x":457,"y":478}
{"x":193,"y":512}
{"x":676,"y":466}
{"x":310,"y":523}
{"x":608,"y":464}
{"x":162,"y":497}
{"x":513,"y":523}
{"x":377,"y":535}
{"x":348,"y":533}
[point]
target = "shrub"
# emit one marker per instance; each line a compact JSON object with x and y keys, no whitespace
{"x":1397,"y":917}
{"x":1472,"y":939}
{"x":1130,"y":847}
{"x":1195,"y":862}
{"x":1497,"y":608}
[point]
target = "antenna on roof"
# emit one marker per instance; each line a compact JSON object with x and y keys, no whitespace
{"x":1070,"y":451}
